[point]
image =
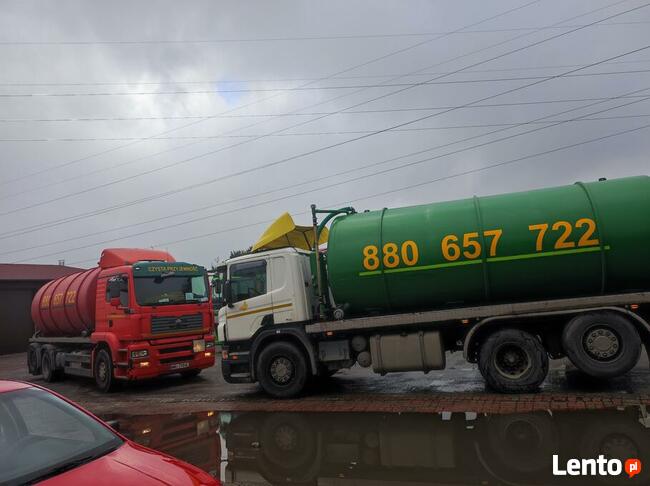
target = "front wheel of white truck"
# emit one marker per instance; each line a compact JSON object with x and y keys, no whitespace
{"x":282,"y":369}
{"x":513,"y":361}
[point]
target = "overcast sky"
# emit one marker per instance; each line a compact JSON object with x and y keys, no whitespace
{"x":121,"y":121}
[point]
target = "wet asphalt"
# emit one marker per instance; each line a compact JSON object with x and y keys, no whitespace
{"x":174,"y":393}
{"x":359,"y":428}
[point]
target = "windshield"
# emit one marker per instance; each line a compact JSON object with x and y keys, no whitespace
{"x":165,"y":290}
{"x":42,"y":435}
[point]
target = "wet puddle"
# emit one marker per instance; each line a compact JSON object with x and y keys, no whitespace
{"x":255,"y":448}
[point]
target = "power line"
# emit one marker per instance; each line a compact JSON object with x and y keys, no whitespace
{"x":77,"y":217}
{"x":286,"y":80}
{"x":313,"y":134}
{"x":338,"y":183}
{"x":281,"y":39}
{"x":338,"y":73}
{"x":377,"y":132}
{"x":277,"y":115}
{"x":403,"y":188}
{"x":313,"y":88}
{"x":320,"y":117}
{"x":137,"y":159}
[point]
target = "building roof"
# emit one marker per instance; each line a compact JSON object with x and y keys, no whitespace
{"x":19,"y":271}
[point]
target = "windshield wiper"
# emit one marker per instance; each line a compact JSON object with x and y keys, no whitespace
{"x":55,"y":471}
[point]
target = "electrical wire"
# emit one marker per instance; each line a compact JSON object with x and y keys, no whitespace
{"x":338,"y":73}
{"x":317,"y":134}
{"x":278,"y":115}
{"x":360,"y":137}
{"x":347,"y":108}
{"x":316,"y":88}
{"x":285,"y":80}
{"x":280,"y":39}
{"x":324,"y":187}
{"x":403,"y":188}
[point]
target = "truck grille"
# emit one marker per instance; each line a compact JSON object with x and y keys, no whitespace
{"x":168,"y":324}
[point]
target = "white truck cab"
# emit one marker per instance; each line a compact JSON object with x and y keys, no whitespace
{"x":266,"y":288}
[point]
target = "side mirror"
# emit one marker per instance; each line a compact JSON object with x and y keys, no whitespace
{"x":227,"y":293}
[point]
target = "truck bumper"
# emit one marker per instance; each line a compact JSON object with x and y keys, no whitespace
{"x":236,"y":367}
{"x":170,"y":356}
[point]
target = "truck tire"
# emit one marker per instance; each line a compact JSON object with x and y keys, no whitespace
{"x":103,"y":371}
{"x":282,"y":369}
{"x":48,"y":367}
{"x":602,"y":344}
{"x":32,"y":360}
{"x":513,"y":361}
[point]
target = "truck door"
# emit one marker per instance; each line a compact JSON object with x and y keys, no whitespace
{"x":252,"y":301}
{"x":282,"y":291}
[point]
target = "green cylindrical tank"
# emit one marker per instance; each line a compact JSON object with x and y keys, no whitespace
{"x":578,"y":240}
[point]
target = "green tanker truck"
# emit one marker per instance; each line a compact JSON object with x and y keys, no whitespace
{"x":509,"y":280}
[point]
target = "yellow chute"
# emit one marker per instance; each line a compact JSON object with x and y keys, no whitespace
{"x":284,"y":232}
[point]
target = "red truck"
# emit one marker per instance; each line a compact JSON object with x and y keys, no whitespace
{"x":138,"y":314}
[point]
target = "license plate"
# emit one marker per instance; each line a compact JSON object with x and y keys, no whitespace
{"x":179,"y":366}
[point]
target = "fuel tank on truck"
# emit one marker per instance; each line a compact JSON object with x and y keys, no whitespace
{"x":577,"y":240}
{"x":66,"y":306}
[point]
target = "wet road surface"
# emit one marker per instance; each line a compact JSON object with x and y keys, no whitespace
{"x":261,"y":448}
{"x":459,"y":387}
{"x":362,"y":429}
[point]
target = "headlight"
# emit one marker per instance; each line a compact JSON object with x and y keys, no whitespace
{"x":142,"y":353}
{"x":209,"y":344}
{"x":198,"y":345}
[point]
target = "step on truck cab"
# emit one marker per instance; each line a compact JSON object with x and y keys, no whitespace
{"x":138,"y":314}
{"x":509,"y":280}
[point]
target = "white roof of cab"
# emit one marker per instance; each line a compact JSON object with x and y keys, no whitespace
{"x":279,"y":251}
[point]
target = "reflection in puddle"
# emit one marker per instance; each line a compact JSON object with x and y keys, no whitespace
{"x":392,"y":449}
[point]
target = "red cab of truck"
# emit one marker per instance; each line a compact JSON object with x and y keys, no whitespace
{"x":138,"y":314}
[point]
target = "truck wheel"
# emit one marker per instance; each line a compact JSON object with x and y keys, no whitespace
{"x":282,"y":370}
{"x":32,"y":360}
{"x":50,"y":373}
{"x":602,"y":344}
{"x":103,"y":370}
{"x":513,"y":361}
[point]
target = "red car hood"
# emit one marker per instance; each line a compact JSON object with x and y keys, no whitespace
{"x":132,"y":464}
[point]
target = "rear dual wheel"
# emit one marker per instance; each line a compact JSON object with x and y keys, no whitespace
{"x":513,"y":361}
{"x":48,"y":367}
{"x":602,"y":344}
{"x":32,"y":360}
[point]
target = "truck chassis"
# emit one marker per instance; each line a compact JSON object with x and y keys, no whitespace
{"x":417,"y":341}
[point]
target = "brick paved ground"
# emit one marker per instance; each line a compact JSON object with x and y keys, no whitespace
{"x":457,"y":389}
